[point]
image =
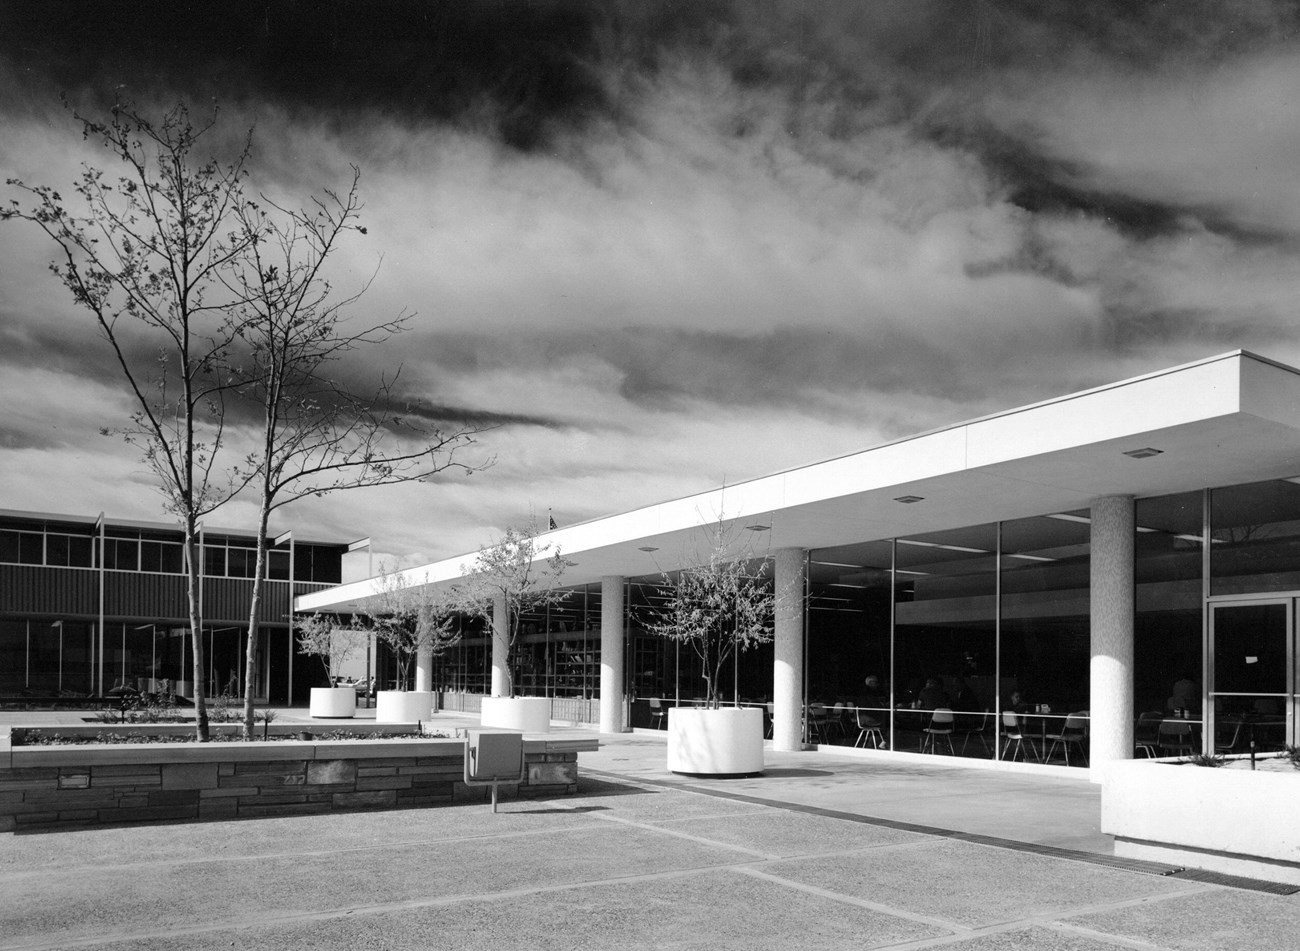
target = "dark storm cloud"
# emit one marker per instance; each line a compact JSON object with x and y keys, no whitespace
{"x":515,"y":66}
{"x":12,"y":437}
{"x":445,"y":415}
{"x":667,"y":368}
{"x":71,"y":347}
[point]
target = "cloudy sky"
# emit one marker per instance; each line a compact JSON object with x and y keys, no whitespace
{"x":671,"y":244}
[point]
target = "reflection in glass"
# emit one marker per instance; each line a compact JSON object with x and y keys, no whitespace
{"x":1167,"y":642}
{"x":945,"y":636}
{"x":1255,"y":532}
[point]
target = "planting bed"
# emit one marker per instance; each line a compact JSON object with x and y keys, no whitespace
{"x":45,"y":786}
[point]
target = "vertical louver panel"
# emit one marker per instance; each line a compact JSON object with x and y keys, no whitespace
{"x":66,"y":592}
{"x":138,"y":595}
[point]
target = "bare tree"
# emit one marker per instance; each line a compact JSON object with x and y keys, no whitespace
{"x":718,"y":605}
{"x":326,"y":637}
{"x":316,"y":436}
{"x":411,"y":619}
{"x":520,"y":573}
{"x":143,"y":253}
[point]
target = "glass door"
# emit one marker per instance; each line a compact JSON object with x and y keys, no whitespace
{"x":1252,"y":685}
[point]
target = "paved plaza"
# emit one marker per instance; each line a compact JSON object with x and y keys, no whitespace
{"x":823,"y":851}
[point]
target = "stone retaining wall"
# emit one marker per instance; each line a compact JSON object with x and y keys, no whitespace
{"x":51,"y":786}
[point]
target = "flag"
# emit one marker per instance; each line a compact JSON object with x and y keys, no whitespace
{"x":551,"y":521}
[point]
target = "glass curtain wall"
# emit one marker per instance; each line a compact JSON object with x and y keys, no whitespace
{"x":1254,"y":585}
{"x":558,"y":653}
{"x":1168,"y":571}
{"x":945,"y":640}
{"x":970,"y":623}
{"x":848,"y":645}
{"x":1045,"y":643}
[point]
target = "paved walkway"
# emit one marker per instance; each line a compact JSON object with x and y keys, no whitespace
{"x":824,"y":851}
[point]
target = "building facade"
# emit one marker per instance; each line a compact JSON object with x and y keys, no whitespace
{"x":1102,"y":575}
{"x":88,"y":604}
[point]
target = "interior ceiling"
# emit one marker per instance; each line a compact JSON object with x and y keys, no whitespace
{"x":1226,"y":449}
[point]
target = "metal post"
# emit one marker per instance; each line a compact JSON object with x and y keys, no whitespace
{"x":99,"y":525}
{"x":280,"y":540}
{"x":293,"y":587}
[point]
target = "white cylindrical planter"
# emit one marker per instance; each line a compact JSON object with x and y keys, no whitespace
{"x":525,"y":714}
{"x":726,"y":742}
{"x":333,"y":701}
{"x":403,"y":706}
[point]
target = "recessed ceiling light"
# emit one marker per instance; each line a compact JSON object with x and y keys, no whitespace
{"x":909,"y":499}
{"x":1146,"y":453}
{"x":647,"y":548}
{"x":758,"y":528}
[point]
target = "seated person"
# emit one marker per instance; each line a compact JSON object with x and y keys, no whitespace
{"x":1186,"y":695}
{"x":872,"y":698}
{"x":932,"y":695}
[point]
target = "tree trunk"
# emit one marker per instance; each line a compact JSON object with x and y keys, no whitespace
{"x":192,"y":570}
{"x":250,"y":662}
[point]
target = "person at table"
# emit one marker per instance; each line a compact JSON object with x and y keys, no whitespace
{"x":932,"y":695}
{"x":1186,"y":695}
{"x":1018,"y":703}
{"x":872,"y":697}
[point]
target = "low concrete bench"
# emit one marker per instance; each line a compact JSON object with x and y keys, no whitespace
{"x":48,"y":786}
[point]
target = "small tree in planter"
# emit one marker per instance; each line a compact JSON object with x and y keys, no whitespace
{"x":719,"y":608}
{"x":410,"y":620}
{"x":520,"y":573}
{"x":322,"y":636}
{"x":522,"y":576}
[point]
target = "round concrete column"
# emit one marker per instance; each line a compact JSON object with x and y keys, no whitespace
{"x":611,"y":654}
{"x":424,"y":668}
{"x":500,"y":647}
{"x":1112,"y":607}
{"x":787,"y":670}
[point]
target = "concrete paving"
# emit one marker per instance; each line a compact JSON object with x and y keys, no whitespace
{"x":823,"y":851}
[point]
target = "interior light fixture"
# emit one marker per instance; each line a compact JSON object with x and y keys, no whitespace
{"x":909,"y":499}
{"x":1144,"y":453}
{"x":1029,"y":557}
{"x":1063,"y":517}
{"x":758,"y":528}
{"x":962,"y":548}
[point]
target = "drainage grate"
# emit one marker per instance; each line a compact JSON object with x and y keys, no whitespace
{"x":1236,"y":881}
{"x":1074,"y":855}
{"x":1092,"y":858}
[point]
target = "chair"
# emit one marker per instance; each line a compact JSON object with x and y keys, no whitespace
{"x":838,"y":720}
{"x":940,"y":726}
{"x":818,"y":722}
{"x":1230,"y":744}
{"x":1014,"y":733}
{"x":1175,"y":737}
{"x":869,"y":729}
{"x":769,"y":715}
{"x":658,"y":714}
{"x":1146,"y":736}
{"x":1073,"y":734}
{"x":972,"y":727}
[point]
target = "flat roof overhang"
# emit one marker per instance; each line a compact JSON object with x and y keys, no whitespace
{"x":1224,"y":420}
